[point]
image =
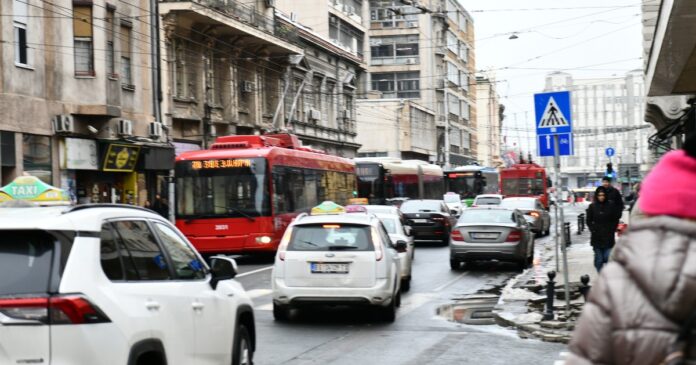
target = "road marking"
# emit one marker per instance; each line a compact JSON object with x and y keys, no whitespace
{"x":257,"y":293}
{"x":450,"y":282}
{"x":254,"y":272}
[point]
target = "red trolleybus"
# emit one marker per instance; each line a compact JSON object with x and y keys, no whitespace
{"x":240,"y":195}
{"x":383,"y":180}
{"x":525,"y":180}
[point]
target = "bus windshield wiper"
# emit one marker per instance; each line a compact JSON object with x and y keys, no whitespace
{"x":339,"y":248}
{"x":240,"y":212}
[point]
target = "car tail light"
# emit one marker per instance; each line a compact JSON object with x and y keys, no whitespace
{"x":535,"y":214}
{"x":379,"y":254}
{"x":474,"y":205}
{"x":283,"y":246}
{"x":438,"y":219}
{"x":456,"y":235}
{"x":514,"y":236}
{"x":70,"y":309}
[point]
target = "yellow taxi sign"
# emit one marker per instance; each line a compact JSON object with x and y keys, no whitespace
{"x":328,"y":207}
{"x":31,"y":189}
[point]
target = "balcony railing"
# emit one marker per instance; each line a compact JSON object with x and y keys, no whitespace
{"x":248,"y":15}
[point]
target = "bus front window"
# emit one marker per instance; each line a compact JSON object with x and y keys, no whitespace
{"x":222,"y":188}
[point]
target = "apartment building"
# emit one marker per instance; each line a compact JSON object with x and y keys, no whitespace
{"x":420,"y":102}
{"x":489,"y":119}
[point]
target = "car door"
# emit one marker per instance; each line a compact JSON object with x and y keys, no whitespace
{"x":526,"y":231}
{"x":212,"y":310}
{"x":394,"y":271}
{"x":545,"y":216}
{"x":150,"y":283}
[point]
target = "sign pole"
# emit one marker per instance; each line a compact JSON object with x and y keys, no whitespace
{"x":556,"y":236}
{"x":557,"y":168}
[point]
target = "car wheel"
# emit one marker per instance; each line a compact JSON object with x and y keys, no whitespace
{"x":531,"y":256}
{"x":398,"y":299}
{"x":242,"y":353}
{"x":406,"y":284}
{"x":388,"y":313}
{"x":455,"y":264}
{"x":280,"y":313}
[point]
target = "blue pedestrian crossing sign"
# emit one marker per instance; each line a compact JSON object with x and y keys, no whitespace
{"x":553,"y":118}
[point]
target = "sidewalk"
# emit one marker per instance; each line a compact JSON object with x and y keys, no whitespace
{"x":523,"y":300}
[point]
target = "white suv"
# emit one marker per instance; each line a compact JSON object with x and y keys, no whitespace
{"x":345,"y":259}
{"x":108,"y":284}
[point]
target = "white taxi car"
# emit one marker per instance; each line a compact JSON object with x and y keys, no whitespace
{"x":334,"y":258}
{"x":111,"y":284}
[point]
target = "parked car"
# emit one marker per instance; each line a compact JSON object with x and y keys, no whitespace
{"x":454,"y":203}
{"x":398,"y":232}
{"x":487,"y":199}
{"x":538,"y":217}
{"x":430,"y":220}
{"x":115,"y":284}
{"x":331,"y":257}
{"x":488,"y":233}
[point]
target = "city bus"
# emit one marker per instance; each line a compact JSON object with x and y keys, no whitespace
{"x":470,"y":181}
{"x":525,"y":180}
{"x":383,"y":180}
{"x":241,"y":194}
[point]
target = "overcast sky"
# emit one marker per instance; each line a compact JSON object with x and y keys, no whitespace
{"x":589,"y":38}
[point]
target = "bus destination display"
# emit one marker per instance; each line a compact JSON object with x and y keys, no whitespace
{"x":220,"y":164}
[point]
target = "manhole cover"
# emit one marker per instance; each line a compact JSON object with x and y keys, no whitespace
{"x":474,"y":309}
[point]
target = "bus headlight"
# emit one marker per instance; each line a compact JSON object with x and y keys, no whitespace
{"x":263,"y":240}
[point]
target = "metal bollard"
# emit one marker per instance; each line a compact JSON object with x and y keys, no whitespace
{"x":581,"y":222}
{"x":550,"y":294}
{"x":585,"y":287}
{"x":566,"y":231}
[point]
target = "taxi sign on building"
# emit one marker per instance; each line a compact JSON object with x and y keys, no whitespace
{"x":30,"y":188}
{"x":328,"y":207}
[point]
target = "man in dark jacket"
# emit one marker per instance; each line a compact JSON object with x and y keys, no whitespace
{"x":601,"y":220}
{"x":613,"y":197}
{"x":160,"y":206}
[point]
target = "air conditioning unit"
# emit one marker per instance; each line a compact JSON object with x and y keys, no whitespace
{"x":247,"y":86}
{"x":410,"y":61}
{"x":125,"y":127}
{"x":155,"y":130}
{"x":411,"y":24}
{"x":293,"y":17}
{"x":63,"y":124}
{"x":313,"y":114}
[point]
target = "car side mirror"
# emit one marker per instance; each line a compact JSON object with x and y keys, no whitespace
{"x":222,"y":268}
{"x":401,"y":246}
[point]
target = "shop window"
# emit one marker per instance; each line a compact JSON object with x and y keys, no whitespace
{"x":37,"y":156}
{"x":82,"y":37}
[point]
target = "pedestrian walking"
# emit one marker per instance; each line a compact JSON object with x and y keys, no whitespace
{"x":601,"y":220}
{"x":633,"y":197}
{"x":614,"y":198}
{"x":642,"y":308}
{"x":160,"y":206}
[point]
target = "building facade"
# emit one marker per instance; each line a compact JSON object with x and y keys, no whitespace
{"x":489,"y":119}
{"x":420,"y":73}
{"x":77,"y":91}
{"x":606,"y":112}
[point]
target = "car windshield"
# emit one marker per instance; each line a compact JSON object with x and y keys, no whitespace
{"x":390,"y":224}
{"x":25,"y":262}
{"x":518,"y":203}
{"x":331,"y":236}
{"x":452,"y":198}
{"x":486,"y":216}
{"x":420,"y":206}
{"x":488,"y":201}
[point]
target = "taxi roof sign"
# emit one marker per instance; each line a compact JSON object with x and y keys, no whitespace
{"x":328,"y":207}
{"x":31,"y":189}
{"x":356,"y":209}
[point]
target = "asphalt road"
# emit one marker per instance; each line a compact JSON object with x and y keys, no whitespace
{"x":418,"y":336}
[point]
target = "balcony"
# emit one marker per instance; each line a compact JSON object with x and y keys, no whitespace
{"x":231,"y":18}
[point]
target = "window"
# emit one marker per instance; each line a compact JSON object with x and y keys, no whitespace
{"x":465,"y":114}
{"x":392,"y":13}
{"x":82,"y":33}
{"x":141,"y":252}
{"x":110,"y":36}
{"x":463,"y":52}
{"x":25,"y":262}
{"x":453,"y":104}
{"x":328,"y":237}
{"x":452,"y":43}
{"x":397,"y":84}
{"x":394,"y":50}
{"x":126,"y":66}
{"x":37,"y":156}
{"x":453,"y":73}
{"x":19,"y":22}
{"x":297,"y":189}
{"x":345,"y":34}
{"x":186,"y":263}
{"x":180,"y":83}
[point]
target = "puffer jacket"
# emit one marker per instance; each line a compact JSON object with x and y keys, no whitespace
{"x":635,"y":309}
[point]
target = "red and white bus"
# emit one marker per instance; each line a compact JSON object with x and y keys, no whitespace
{"x":240,"y":195}
{"x":525,"y":180}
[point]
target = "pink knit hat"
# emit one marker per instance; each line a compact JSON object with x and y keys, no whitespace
{"x":670,"y":188}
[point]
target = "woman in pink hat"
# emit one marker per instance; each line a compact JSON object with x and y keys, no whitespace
{"x":642,"y":309}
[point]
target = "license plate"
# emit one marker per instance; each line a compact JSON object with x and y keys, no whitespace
{"x":485,"y":235}
{"x":419,"y":220}
{"x":328,"y":268}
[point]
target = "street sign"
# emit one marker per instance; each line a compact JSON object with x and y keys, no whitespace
{"x":553,"y":113}
{"x":610,"y":152}
{"x":546,"y":145}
